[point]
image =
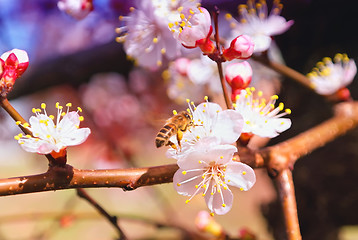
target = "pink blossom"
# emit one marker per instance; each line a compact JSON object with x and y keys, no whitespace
{"x":194,"y":30}
{"x":241,"y":47}
{"x":78,"y":9}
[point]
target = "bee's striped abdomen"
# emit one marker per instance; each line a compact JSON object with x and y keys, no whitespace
{"x":164,"y":134}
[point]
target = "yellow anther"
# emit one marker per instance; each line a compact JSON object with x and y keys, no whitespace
{"x":187,"y":100}
{"x":281,"y":106}
{"x":180,"y":9}
{"x":182,"y":16}
{"x":200,"y":161}
{"x":203,"y":194}
{"x":155,"y":40}
{"x":18,"y":122}
{"x":159,"y":63}
{"x":327,"y":60}
{"x":175,"y":112}
{"x":187,"y":201}
{"x":81,"y":118}
{"x":212,"y":214}
{"x":170,"y":25}
{"x":26,"y":125}
{"x":198,"y":137}
{"x":204,"y":111}
{"x":228,"y":16}
{"x":52,"y":117}
{"x":206,"y":98}
{"x":224,"y":205}
{"x":163,"y":51}
{"x":33,"y":110}
{"x":243,"y":173}
{"x":178,"y":184}
{"x":131,"y":9}
{"x":48,"y":136}
{"x":17,"y":137}
{"x":274,"y":97}
{"x":191,"y":11}
{"x":20,"y":135}
{"x":204,"y":104}
{"x":196,"y":186}
{"x":241,"y":189}
{"x":28,"y":136}
{"x":183,"y":172}
{"x":234,"y":158}
{"x":211,"y":193}
{"x":182,"y":24}
{"x":259,"y":93}
{"x":57,"y":105}
{"x":221,"y":157}
{"x":288,"y":111}
{"x":43,"y":105}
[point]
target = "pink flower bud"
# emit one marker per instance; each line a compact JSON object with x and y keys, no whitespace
{"x":78,"y":9}
{"x":13,"y":64}
{"x":206,"y":223}
{"x":238,"y":75}
{"x":181,"y":65}
{"x":241,"y":47}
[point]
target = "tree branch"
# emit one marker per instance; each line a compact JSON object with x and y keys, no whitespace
{"x":112,"y":219}
{"x":288,"y":200}
{"x":58,"y":178}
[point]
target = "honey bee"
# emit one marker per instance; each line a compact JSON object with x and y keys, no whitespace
{"x":177,"y":124}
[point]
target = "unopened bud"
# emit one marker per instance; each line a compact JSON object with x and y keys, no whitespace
{"x":12,"y":65}
{"x":78,"y":9}
{"x":241,"y":47}
{"x":181,"y":65}
{"x":238,"y":75}
{"x":206,"y":223}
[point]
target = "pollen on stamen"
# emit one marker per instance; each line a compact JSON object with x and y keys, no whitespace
{"x":81,"y":118}
{"x":183,"y":172}
{"x":243,"y":173}
{"x":224,"y":205}
{"x":18,"y":122}
{"x":26,"y":125}
{"x":241,"y":189}
{"x":52,"y":117}
{"x":187,"y":201}
{"x":163,"y":51}
{"x":175,"y":112}
{"x":178,"y":184}
{"x":43,"y":105}
{"x":288,"y":111}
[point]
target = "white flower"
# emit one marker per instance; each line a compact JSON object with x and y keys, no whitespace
{"x":147,"y":37}
{"x":261,"y":118}
{"x":48,"y":136}
{"x":211,"y":121}
{"x":260,"y":26}
{"x":78,"y":9}
{"x":328,"y":77}
{"x":209,"y":170}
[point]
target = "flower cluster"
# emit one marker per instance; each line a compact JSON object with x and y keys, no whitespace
{"x":146,"y":36}
{"x":12,"y":65}
{"x":52,"y":135}
{"x":258,"y":24}
{"x":206,"y":159}
{"x":329,"y":77}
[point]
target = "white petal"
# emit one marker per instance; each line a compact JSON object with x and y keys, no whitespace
{"x":228,"y":126}
{"x":76,"y":137}
{"x":188,"y":188}
{"x":36,"y":146}
{"x":215,"y":202}
{"x":240,"y":175}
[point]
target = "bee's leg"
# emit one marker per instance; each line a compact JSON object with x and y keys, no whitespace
{"x":179,"y":137}
{"x":171,"y":144}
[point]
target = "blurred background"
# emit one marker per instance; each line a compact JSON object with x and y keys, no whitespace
{"x":125,"y":106}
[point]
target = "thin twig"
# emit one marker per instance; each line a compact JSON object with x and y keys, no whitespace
{"x":112,"y":219}
{"x":288,"y":200}
{"x":285,"y":70}
{"x":218,"y":61}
